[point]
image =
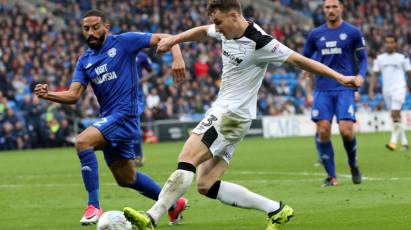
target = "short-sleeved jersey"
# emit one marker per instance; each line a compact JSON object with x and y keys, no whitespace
{"x":143,"y":61}
{"x":245,"y":62}
{"x":393,"y":68}
{"x":112,"y":73}
{"x":334,"y":47}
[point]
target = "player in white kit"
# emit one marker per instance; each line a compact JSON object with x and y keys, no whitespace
{"x":392,"y":66}
{"x":246,"y":51}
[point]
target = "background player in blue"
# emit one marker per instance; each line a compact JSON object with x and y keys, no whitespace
{"x":340,"y":46}
{"x":109,"y":66}
{"x":143,"y":61}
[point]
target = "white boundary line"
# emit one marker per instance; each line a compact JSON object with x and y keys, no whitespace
{"x":299,"y":174}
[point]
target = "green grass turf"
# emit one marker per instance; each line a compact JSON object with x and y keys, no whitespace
{"x":42,"y":189}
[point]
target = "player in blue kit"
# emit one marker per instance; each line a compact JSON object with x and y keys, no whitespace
{"x":109,"y":66}
{"x":340,"y":46}
{"x":143,"y":61}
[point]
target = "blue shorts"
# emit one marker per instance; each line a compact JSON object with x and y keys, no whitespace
{"x":340,"y":103}
{"x":121,"y":132}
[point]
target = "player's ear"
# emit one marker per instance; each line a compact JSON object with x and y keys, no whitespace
{"x":233,"y":15}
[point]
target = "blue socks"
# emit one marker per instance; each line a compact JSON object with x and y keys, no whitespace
{"x":89,"y":171}
{"x":146,"y":186}
{"x":317,"y":144}
{"x":327,"y":157}
{"x":351,"y":149}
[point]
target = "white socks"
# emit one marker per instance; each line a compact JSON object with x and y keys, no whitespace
{"x":177,"y":184}
{"x":238,"y":196}
{"x":403,"y":137}
{"x":398,"y":132}
{"x":395,"y":132}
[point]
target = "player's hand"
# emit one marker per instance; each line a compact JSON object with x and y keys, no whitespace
{"x":351,"y":81}
{"x":41,"y":90}
{"x":179,"y":70}
{"x":371,"y":94}
{"x":165,"y":44}
{"x":359,"y":80}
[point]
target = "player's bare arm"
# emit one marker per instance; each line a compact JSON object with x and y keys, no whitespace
{"x":373,"y":83}
{"x":195,"y":34}
{"x":309,"y":86}
{"x":320,"y":69}
{"x":178,"y":65}
{"x":70,"y":96}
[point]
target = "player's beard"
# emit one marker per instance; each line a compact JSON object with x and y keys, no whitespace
{"x":332,"y":18}
{"x":96,"y":42}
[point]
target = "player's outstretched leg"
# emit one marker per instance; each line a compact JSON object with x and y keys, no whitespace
{"x":209,"y":185}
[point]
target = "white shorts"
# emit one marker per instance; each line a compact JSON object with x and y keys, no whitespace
{"x":222,"y":131}
{"x":395,"y":100}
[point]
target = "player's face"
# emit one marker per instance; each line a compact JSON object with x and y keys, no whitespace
{"x":225,"y":23}
{"x":95,"y":31}
{"x":390,"y":44}
{"x":332,"y":10}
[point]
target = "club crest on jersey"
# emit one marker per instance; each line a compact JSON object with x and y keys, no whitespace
{"x":343,"y":36}
{"x":112,"y":52}
{"x":322,"y":38}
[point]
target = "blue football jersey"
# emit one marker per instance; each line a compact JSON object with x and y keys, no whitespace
{"x":335,"y":48}
{"x":111,"y":71}
{"x":143,"y":61}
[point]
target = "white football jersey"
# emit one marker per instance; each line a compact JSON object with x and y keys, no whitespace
{"x":393,"y":68}
{"x":245,"y":62}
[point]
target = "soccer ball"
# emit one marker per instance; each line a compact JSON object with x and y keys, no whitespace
{"x":113,"y":220}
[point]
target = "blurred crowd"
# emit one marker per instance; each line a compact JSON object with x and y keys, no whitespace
{"x":36,"y":48}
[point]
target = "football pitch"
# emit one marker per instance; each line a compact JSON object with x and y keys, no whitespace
{"x":42,"y":189}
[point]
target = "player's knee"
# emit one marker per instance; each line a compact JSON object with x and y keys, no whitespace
{"x":82,"y":143}
{"x":346,"y":134}
{"x":125,"y":180}
{"x":396,"y":117}
{"x":324,"y":133}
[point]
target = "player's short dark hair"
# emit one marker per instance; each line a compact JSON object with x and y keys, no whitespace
{"x":97,"y":13}
{"x":391,"y":36}
{"x":223,"y":6}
